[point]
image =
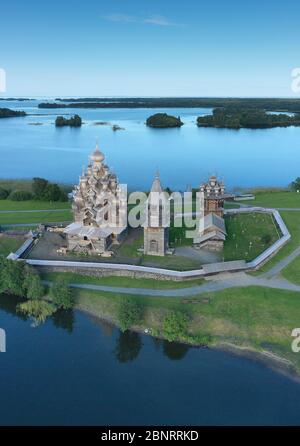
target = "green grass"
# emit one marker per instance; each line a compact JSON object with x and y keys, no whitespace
{"x":9,"y":244}
{"x":254,"y":317}
{"x":231,"y":205}
{"x":131,"y":249}
{"x":244,"y":235}
{"x":275,"y":200}
{"x":292,"y":220}
{"x":9,"y":205}
{"x":177,"y":237}
{"x":35,"y":217}
{"x":179,"y":263}
{"x":126,"y":282}
{"x":292,"y":271}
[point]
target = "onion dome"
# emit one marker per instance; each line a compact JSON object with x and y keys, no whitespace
{"x":97,"y":156}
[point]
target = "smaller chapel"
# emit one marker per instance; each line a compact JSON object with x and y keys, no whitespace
{"x":212,"y":233}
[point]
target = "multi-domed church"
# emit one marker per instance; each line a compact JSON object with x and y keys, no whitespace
{"x":99,"y":207}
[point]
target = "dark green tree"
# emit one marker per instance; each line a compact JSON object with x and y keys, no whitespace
{"x":295,"y":185}
{"x":39,"y":186}
{"x":61,"y":294}
{"x":175,"y":326}
{"x":32,"y":283}
{"x":3,"y":193}
{"x":52,"y":192}
{"x":129,"y":313}
{"x":12,"y":277}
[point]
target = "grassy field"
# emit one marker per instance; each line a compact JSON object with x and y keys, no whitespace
{"x":292,"y":220}
{"x":35,"y":217}
{"x":292,"y":271}
{"x":248,"y":235}
{"x":9,"y":205}
{"x":126,"y":282}
{"x":253,"y":317}
{"x":275,"y":200}
{"x":179,"y":263}
{"x":9,"y":244}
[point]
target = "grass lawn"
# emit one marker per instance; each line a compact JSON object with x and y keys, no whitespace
{"x":253,"y":317}
{"x":275,"y":200}
{"x":175,"y":262}
{"x":35,"y":217}
{"x":177,"y":237}
{"x":126,"y":282}
{"x":248,"y":235}
{"x":130,"y":249}
{"x":292,"y":220}
{"x":292,"y":271}
{"x":9,"y":244}
{"x":9,"y":205}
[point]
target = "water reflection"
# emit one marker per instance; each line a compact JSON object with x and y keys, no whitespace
{"x":171,"y":350}
{"x":8,"y":303}
{"x":64,"y":319}
{"x":128,"y":346}
{"x":175,"y":351}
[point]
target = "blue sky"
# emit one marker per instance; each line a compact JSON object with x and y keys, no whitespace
{"x":157,"y":48}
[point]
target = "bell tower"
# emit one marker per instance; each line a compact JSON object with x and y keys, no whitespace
{"x":156,"y":227}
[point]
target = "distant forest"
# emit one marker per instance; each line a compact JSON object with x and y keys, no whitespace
{"x":236,"y":118}
{"x":275,"y":104}
{"x":7,"y":113}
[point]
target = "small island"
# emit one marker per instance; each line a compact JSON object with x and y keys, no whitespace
{"x":252,"y":118}
{"x":8,"y":113}
{"x":74,"y":121}
{"x":162,"y":120}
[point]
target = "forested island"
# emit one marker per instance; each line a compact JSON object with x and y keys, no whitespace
{"x":252,"y":118}
{"x":8,"y":113}
{"x":162,"y":120}
{"x":16,"y":99}
{"x":74,"y":121}
{"x":267,"y":104}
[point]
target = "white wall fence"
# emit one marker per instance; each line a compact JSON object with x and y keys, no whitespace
{"x":213,"y":268}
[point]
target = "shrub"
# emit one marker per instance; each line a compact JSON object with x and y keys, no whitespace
{"x":20,"y":195}
{"x":175,"y":326}
{"x":266,"y":239}
{"x":61,"y":294}
{"x":129,"y":313}
{"x":32,"y":283}
{"x":11,"y":277}
{"x":38,"y":186}
{"x":39,"y":310}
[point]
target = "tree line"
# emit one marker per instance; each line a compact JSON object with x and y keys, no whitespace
{"x":253,"y":118}
{"x":22,"y":280}
{"x":41,"y":190}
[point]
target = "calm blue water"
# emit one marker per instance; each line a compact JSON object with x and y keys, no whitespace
{"x":75,"y":369}
{"x":184,"y":156}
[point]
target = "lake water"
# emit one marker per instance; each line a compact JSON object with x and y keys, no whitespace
{"x":184,"y":156}
{"x":75,"y":369}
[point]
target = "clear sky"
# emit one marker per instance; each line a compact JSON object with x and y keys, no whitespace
{"x":150,"y":48}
